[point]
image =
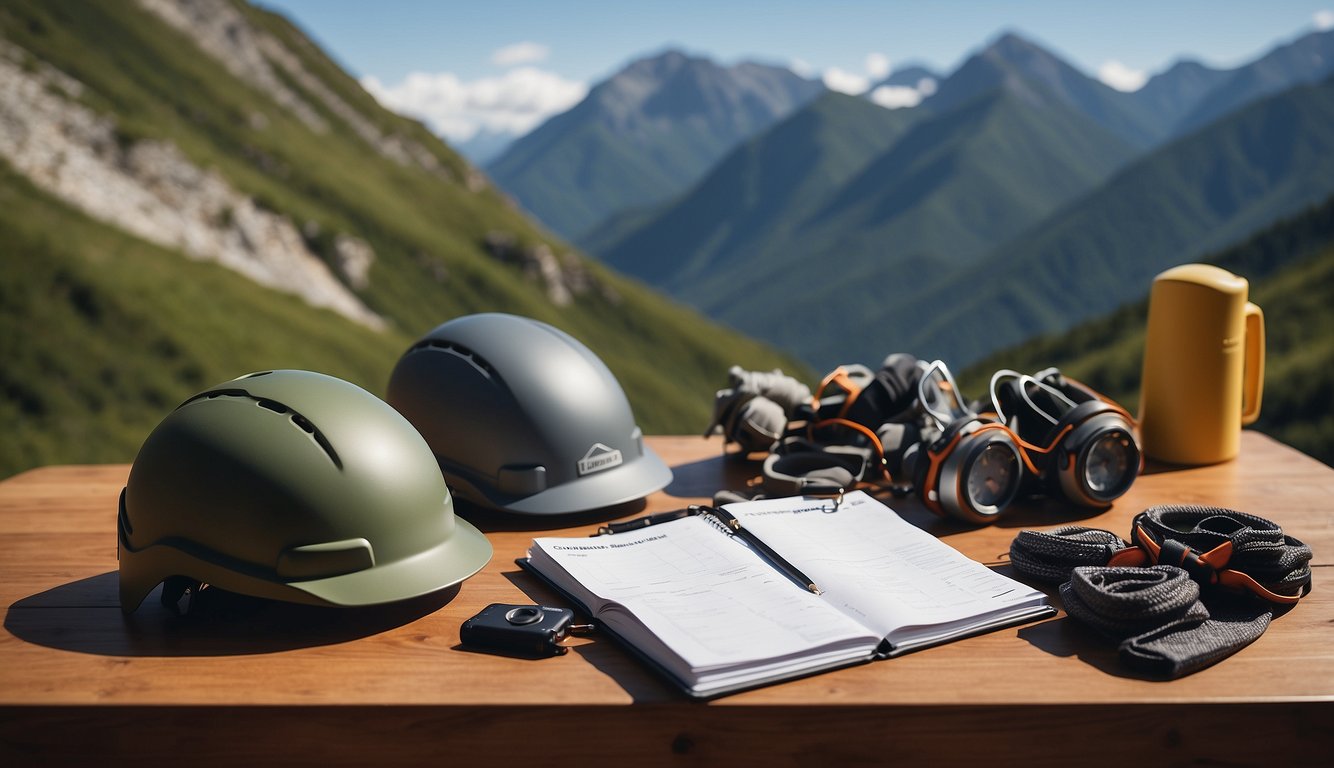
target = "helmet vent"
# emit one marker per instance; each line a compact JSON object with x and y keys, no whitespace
{"x":272,"y":405}
{"x":303,"y":424}
{"x":458,"y":350}
{"x":297,"y":420}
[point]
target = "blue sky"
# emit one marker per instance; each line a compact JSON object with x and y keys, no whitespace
{"x":508,"y":65}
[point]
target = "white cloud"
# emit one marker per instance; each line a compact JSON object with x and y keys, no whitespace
{"x":1121,"y":77}
{"x":896,"y":96}
{"x":519,"y":53}
{"x":513,"y":103}
{"x":877,"y":66}
{"x":903,"y":96}
{"x":802,"y":68}
{"x":836,"y":79}
{"x":1324,"y":20}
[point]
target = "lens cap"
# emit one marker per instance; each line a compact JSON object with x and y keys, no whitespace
{"x":526,"y":614}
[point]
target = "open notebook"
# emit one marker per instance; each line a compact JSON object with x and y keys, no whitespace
{"x":716,"y":614}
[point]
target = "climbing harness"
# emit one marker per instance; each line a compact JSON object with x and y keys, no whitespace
{"x":1194,"y":585}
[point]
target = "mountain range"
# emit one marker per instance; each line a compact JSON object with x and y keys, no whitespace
{"x":191,"y":191}
{"x":1194,"y":196}
{"x":867,"y":247}
{"x":1038,"y":77}
{"x":642,"y":137}
{"x":1308,"y":59}
{"x":778,"y":210}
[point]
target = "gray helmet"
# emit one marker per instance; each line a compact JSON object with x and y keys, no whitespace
{"x":523,"y":418}
{"x":293,"y":486}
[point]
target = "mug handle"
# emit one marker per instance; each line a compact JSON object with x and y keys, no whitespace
{"x":1254,"y":376}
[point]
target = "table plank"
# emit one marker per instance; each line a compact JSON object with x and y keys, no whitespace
{"x":394,"y":674}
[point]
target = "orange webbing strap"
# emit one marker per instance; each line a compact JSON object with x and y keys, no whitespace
{"x":1211,"y":566}
{"x":1027,"y":446}
{"x":838,"y":377}
{"x":937,"y":460}
{"x":1024,"y":445}
{"x":1130,"y":557}
{"x":930,"y":497}
{"x":864,"y":430}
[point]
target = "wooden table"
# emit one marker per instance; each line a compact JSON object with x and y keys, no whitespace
{"x":268,"y":682}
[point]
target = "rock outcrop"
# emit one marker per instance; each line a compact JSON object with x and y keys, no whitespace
{"x":250,"y":54}
{"x":563,"y":277}
{"x":150,"y":189}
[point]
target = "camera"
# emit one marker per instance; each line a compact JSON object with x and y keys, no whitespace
{"x":529,"y":631}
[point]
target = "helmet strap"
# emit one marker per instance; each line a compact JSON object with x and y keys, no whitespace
{"x":176,"y":587}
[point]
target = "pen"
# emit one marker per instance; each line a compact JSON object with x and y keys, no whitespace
{"x":787,"y":568}
{"x":727,"y":519}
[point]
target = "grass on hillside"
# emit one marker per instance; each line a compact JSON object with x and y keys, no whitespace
{"x":104,"y":333}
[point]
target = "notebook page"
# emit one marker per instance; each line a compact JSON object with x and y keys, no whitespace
{"x":704,"y":594}
{"x":875,"y":566}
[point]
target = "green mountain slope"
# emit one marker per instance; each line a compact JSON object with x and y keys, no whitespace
{"x":757,"y":198}
{"x":843,"y":207}
{"x":1189,"y":198}
{"x":1290,"y":267}
{"x":104,"y":332}
{"x":642,"y":137}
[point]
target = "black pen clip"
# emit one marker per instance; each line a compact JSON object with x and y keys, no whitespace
{"x":722,"y":515}
{"x":834,"y":493}
{"x":645,"y":521}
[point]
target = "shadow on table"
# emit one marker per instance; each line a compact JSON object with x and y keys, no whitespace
{"x":691,"y":480}
{"x":608,"y":657}
{"x":705,"y":477}
{"x":1066,"y":637}
{"x":84,"y":616}
{"x":604,"y":653}
{"x":494,"y":521}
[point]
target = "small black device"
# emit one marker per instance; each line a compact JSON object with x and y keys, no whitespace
{"x":529,"y":631}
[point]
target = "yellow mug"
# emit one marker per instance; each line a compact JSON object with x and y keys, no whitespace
{"x":1204,"y":362}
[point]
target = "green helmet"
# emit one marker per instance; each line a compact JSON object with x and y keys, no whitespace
{"x":293,"y":486}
